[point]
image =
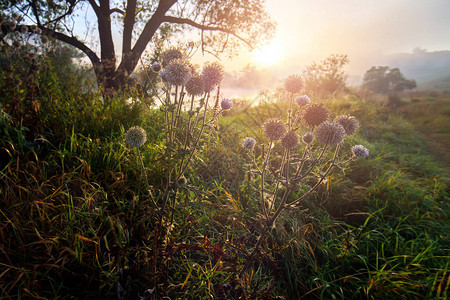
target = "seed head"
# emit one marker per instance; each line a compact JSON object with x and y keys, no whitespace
{"x":274,"y":129}
{"x":16,"y":44}
{"x":293,"y":83}
{"x":249,"y":143}
{"x":226,"y":104}
{"x":330,"y":133}
{"x":178,"y":72}
{"x":308,"y":137}
{"x":212,"y":75}
{"x":315,"y":114}
{"x":156,"y":66}
{"x":349,"y":123}
{"x":136,"y":136}
{"x":290,"y":140}
{"x":38,"y":31}
{"x":23,"y":29}
{"x":360,"y":151}
{"x":303,"y":100}
{"x":194,"y":86}
{"x":44,"y":40}
{"x":172,"y":54}
{"x":33,"y":28}
{"x":15,"y":16}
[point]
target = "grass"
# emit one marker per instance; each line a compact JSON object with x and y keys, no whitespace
{"x":76,"y":221}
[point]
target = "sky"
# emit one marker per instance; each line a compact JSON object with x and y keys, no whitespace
{"x":366,"y":30}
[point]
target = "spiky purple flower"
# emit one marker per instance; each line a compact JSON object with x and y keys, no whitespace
{"x":290,"y":140}
{"x":293,"y":83}
{"x":226,"y":104}
{"x":360,"y":151}
{"x":212,"y":75}
{"x":274,"y":129}
{"x":303,"y":100}
{"x":315,"y":114}
{"x":330,"y":133}
{"x":249,"y":143}
{"x":349,"y":123}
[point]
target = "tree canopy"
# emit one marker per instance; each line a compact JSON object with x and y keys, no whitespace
{"x":223,"y":25}
{"x":383,"y":79}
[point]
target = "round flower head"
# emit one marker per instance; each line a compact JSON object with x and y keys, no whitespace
{"x":194,"y":86}
{"x":330,"y":133}
{"x":33,"y":28}
{"x":44,"y":40}
{"x":178,"y":72}
{"x":23,"y":29}
{"x":249,"y":143}
{"x":15,"y":16}
{"x":274,"y":129}
{"x":293,"y":83}
{"x":226,"y":104}
{"x":290,"y":140}
{"x":308,"y":137}
{"x":349,"y":123}
{"x":156,"y":66}
{"x":303,"y":100}
{"x":9,"y":26}
{"x":360,"y":151}
{"x":212,"y":75}
{"x":172,"y":54}
{"x":38,"y":31}
{"x":16,"y":44}
{"x":136,"y":136}
{"x":315,"y":114}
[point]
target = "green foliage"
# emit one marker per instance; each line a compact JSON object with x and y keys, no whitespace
{"x":386,"y":80}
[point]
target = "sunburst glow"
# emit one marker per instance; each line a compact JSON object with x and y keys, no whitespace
{"x":269,"y":54}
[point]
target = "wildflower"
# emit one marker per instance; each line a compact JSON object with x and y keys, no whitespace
{"x":38,"y":31}
{"x":194,"y":86}
{"x":249,"y":143}
{"x":33,"y":28}
{"x":16,"y":44}
{"x":274,"y":129}
{"x":178,"y":72}
{"x":44,"y":40}
{"x":360,"y":151}
{"x":23,"y":29}
{"x":15,"y":16}
{"x":293,"y":83}
{"x":171,"y":55}
{"x":136,"y":136}
{"x":226,"y":104}
{"x":303,"y":100}
{"x":349,"y":123}
{"x":330,"y":133}
{"x":156,"y":66}
{"x":308,"y":137}
{"x":212,"y":75}
{"x":315,"y":114}
{"x":290,"y":140}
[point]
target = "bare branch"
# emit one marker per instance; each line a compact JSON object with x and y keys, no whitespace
{"x":175,"y":20}
{"x":117,"y":10}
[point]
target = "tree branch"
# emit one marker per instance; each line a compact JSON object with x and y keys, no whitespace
{"x":175,"y":20}
{"x":128,"y":24}
{"x":117,"y":10}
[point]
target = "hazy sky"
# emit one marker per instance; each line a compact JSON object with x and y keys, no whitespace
{"x":366,"y":30}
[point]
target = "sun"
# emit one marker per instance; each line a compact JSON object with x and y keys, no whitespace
{"x":268,"y":55}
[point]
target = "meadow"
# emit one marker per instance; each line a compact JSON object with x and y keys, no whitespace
{"x":81,"y":217}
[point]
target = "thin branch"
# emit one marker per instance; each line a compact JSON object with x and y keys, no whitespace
{"x":117,"y":10}
{"x":175,"y":20}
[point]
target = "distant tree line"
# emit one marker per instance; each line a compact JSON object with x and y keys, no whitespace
{"x":386,"y":80}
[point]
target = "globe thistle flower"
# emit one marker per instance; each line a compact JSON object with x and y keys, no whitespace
{"x":349,"y":123}
{"x":290,"y":140}
{"x":315,"y":114}
{"x":15,"y":16}
{"x":308,"y":137}
{"x":360,"y":151}
{"x":9,"y":26}
{"x":23,"y":29}
{"x":249,"y":143}
{"x":212,"y":75}
{"x":38,"y":31}
{"x":136,"y":136}
{"x":16,"y":44}
{"x":274,"y":129}
{"x":156,"y":66}
{"x":178,"y":72}
{"x":171,"y":55}
{"x":330,"y":133}
{"x":194,"y":86}
{"x":303,"y":100}
{"x":226,"y":104}
{"x":293,"y":83}
{"x":44,"y":40}
{"x":33,"y":28}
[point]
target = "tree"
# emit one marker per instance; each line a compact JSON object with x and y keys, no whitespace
{"x":383,"y":79}
{"x":222,"y":24}
{"x":326,"y":77}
